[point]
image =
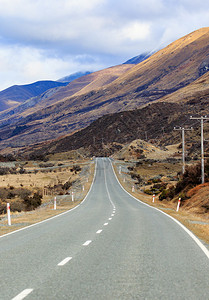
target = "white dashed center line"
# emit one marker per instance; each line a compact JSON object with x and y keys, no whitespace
{"x":23,"y":294}
{"x":110,"y":219}
{"x":64,"y":261}
{"x":99,"y":231}
{"x":105,"y":224}
{"x":112,"y":215}
{"x":87,"y":243}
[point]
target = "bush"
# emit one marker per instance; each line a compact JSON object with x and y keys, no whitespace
{"x":76,"y":168}
{"x":190,"y":178}
{"x":23,"y":193}
{"x":33,"y":202}
{"x":167,"y":194}
{"x":3,"y":208}
{"x":66,"y":185}
{"x":3,"y":194}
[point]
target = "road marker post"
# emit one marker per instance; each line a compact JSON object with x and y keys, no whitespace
{"x":8,"y":214}
{"x":133,"y":189}
{"x":83,"y":188}
{"x":55,"y":203}
{"x":120,"y":170}
{"x":178,"y":205}
{"x":124,"y":180}
{"x":153,"y":198}
{"x":72,"y":197}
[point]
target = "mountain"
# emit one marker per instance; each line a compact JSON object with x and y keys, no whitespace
{"x":16,"y":94}
{"x":50,"y":104}
{"x":137,"y":59}
{"x":154,"y":123}
{"x":73,"y":76}
{"x":181,"y":66}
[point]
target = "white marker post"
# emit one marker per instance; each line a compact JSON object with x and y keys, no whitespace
{"x":8,"y":214}
{"x":72,"y":197}
{"x":120,"y":170}
{"x":153,"y":198}
{"x":133,"y":189}
{"x":55,"y":203}
{"x":178,"y":205}
{"x":83,"y":188}
{"x":124,"y":180}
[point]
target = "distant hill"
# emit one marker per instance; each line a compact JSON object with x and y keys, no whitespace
{"x":17,"y":94}
{"x":51,"y":97}
{"x":179,"y":71}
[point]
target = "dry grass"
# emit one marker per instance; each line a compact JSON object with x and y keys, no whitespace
{"x":23,"y":219}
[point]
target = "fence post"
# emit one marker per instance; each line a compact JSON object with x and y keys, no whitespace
{"x":55,"y":203}
{"x":8,"y":214}
{"x":178,"y":205}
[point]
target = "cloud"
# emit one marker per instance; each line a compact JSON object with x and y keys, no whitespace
{"x":44,"y":39}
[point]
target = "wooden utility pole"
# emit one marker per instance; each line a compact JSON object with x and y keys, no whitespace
{"x":183,"y":145}
{"x":202,"y":144}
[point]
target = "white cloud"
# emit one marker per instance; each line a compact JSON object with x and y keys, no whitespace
{"x":25,"y":65}
{"x":44,"y":39}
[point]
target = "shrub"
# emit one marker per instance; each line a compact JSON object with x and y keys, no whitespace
{"x":190,"y":178}
{"x":3,"y":208}
{"x":167,"y":194}
{"x":33,"y":202}
{"x":3,"y":193}
{"x":75,"y":168}
{"x":23,"y":193}
{"x":67,"y":185}
{"x":4,"y":171}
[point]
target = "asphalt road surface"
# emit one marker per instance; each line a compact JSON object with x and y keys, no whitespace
{"x":110,"y":247}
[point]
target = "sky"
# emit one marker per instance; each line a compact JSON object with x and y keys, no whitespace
{"x":50,"y":39}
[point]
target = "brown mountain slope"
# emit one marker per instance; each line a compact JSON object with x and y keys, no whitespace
{"x":197,"y":89}
{"x":164,"y":73}
{"x":154,"y":123}
{"x":77,"y":87}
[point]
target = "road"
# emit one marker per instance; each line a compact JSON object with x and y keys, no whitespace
{"x":110,"y":247}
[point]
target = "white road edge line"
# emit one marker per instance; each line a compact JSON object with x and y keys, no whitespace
{"x":64,"y":261}
{"x":87,"y":243}
{"x":197,"y":241}
{"x":49,"y":219}
{"x":99,"y":231}
{"x":23,"y":294}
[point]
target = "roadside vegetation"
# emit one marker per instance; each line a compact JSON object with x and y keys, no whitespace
{"x":28,"y":184}
{"x":165,"y":180}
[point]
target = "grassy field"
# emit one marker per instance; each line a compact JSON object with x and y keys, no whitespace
{"x":81,"y":184}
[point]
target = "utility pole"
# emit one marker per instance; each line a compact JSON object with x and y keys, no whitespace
{"x":183,"y":145}
{"x":202,"y":144}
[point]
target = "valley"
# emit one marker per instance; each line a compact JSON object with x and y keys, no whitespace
{"x":127,"y":112}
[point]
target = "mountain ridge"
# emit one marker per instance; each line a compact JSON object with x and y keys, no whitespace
{"x":17,"y":94}
{"x":163,"y":74}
